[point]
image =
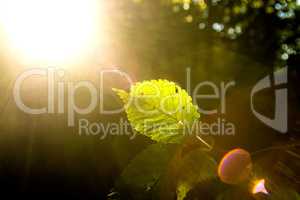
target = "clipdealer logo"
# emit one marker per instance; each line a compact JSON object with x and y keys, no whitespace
{"x":279,"y":122}
{"x":59,"y":96}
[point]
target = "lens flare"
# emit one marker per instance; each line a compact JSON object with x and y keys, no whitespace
{"x":259,"y":187}
{"x":235,"y":166}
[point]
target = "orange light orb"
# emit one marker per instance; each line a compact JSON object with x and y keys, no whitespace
{"x":235,"y":167}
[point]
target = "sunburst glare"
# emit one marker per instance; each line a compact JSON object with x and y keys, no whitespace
{"x":50,"y":32}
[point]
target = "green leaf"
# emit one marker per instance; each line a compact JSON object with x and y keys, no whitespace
{"x":144,"y":172}
{"x":182,"y":190}
{"x":159,"y":109}
{"x":196,"y":167}
{"x":122,"y":94}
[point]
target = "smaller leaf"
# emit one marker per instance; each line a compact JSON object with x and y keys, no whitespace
{"x":196,"y":167}
{"x":144,"y":171}
{"x":182,"y":190}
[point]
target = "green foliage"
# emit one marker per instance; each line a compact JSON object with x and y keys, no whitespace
{"x":159,"y":109}
{"x":143,"y":173}
{"x":142,"y":178}
{"x":162,"y":111}
{"x":196,"y":167}
{"x":234,"y":18}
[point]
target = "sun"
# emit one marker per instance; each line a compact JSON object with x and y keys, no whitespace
{"x":49,"y":31}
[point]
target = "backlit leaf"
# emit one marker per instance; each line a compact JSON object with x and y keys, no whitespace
{"x":159,"y":109}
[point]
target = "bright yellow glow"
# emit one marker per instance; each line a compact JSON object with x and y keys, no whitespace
{"x":49,"y":31}
{"x":259,"y":187}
